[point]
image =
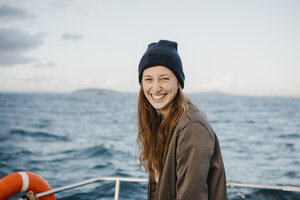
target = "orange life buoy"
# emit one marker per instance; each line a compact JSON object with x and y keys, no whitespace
{"x":23,"y":182}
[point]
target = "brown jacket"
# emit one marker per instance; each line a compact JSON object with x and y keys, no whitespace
{"x":193,"y":168}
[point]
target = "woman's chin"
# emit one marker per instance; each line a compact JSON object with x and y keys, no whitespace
{"x":158,"y":107}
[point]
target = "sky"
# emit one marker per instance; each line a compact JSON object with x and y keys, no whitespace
{"x":236,"y":46}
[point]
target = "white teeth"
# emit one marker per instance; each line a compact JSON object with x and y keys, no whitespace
{"x":157,"y":97}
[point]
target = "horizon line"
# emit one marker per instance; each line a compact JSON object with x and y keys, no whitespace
{"x":215,"y":92}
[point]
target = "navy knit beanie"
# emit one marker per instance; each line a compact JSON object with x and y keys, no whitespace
{"x":162,"y":53}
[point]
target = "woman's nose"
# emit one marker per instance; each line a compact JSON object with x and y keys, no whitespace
{"x":156,"y":87}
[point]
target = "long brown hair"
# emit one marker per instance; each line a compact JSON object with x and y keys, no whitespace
{"x":155,"y":133}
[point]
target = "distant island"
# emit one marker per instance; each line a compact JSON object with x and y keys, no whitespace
{"x":107,"y":91}
{"x":211,"y":93}
{"x":94,"y":91}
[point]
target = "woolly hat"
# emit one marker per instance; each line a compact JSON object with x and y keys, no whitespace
{"x":162,"y":53}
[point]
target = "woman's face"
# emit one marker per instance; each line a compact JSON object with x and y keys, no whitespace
{"x":160,"y":86}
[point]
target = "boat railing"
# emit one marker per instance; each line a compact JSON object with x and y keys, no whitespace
{"x":117,"y":181}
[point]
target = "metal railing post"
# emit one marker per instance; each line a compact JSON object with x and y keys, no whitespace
{"x":117,"y":189}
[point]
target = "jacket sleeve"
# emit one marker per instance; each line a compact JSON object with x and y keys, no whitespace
{"x":195,"y":148}
{"x":216,"y":178}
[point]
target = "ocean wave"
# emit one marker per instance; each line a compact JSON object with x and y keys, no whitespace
{"x":292,"y":174}
{"x":272,"y":195}
{"x":38,"y":134}
{"x":292,"y":135}
{"x":95,"y":151}
{"x":13,"y":153}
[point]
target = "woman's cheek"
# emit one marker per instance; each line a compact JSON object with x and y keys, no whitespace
{"x":146,"y":87}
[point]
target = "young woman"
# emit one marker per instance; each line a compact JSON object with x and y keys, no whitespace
{"x":178,"y":147}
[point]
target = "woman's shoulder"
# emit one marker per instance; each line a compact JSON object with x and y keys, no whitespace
{"x":192,"y":117}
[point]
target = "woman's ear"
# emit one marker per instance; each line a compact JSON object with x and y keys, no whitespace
{"x":178,"y":85}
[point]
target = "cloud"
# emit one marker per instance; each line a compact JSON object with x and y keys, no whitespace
{"x":14,"y":44}
{"x":49,"y":64}
{"x":69,"y":36}
{"x":8,"y":13}
{"x":222,"y":83}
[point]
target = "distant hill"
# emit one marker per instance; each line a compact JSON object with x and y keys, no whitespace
{"x":211,"y":94}
{"x":94,"y":91}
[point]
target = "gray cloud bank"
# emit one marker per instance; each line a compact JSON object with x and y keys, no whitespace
{"x":14,"y":44}
{"x":49,"y":64}
{"x":8,"y":13}
{"x":69,"y":36}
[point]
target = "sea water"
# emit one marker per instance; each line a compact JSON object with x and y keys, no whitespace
{"x":69,"y":138}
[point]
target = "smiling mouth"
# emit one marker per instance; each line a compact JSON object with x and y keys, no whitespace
{"x":158,"y":97}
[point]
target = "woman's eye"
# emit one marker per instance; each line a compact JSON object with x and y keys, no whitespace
{"x":147,"y":79}
{"x":165,"y":78}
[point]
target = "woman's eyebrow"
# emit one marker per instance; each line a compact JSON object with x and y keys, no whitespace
{"x":166,"y":75}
